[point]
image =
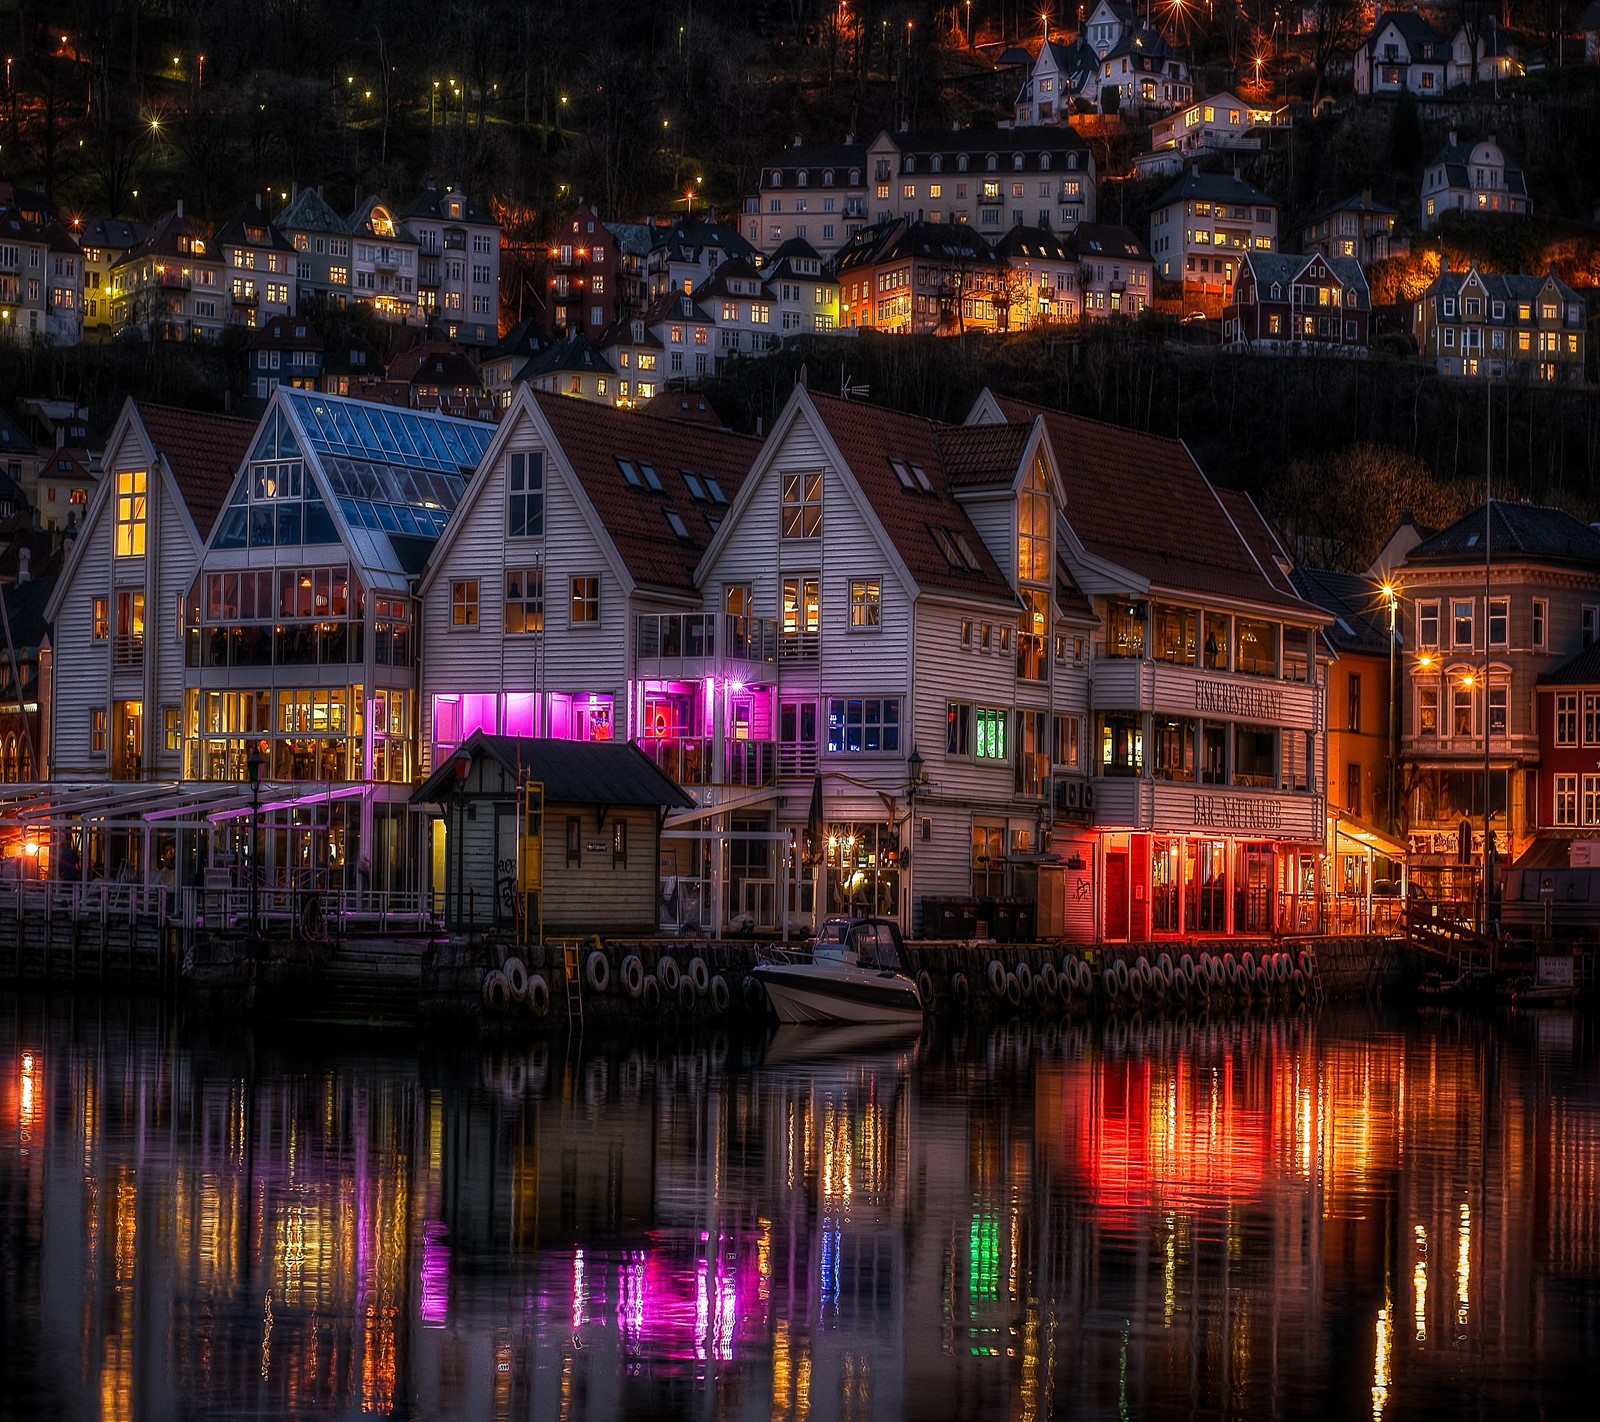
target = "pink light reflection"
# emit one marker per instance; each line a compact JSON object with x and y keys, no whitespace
{"x":435,"y":1304}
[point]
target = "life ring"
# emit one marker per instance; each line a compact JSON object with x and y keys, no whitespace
{"x":699,"y":975}
{"x":925,"y":988}
{"x":632,"y":975}
{"x":496,"y":991}
{"x":650,"y":994}
{"x":516,"y":972}
{"x":597,"y":971}
{"x":1049,"y":982}
{"x":686,"y":994}
{"x":1024,"y":976}
{"x":667,"y":972}
{"x":719,"y":993}
{"x":1013,"y":990}
{"x":997,"y":977}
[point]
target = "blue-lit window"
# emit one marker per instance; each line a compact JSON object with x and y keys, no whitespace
{"x":525,"y":496}
{"x":863,"y":725}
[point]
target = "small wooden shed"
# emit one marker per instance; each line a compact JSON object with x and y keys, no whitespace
{"x":593,"y":817}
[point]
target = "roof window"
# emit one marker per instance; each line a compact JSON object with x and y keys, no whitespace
{"x":676,"y":524}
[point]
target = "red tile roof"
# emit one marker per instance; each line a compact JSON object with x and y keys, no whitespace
{"x":1141,"y":502}
{"x":869,"y":437}
{"x":594,"y":436}
{"x":1261,"y":539}
{"x":203,"y":452}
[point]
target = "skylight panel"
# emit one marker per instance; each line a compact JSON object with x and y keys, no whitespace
{"x":676,"y":524}
{"x":630,"y":473}
{"x":968,"y":557}
{"x":697,"y":490}
{"x":902,"y":473}
{"x":921,"y":476}
{"x":651,"y":477}
{"x":715,"y":490}
{"x":946,"y":545}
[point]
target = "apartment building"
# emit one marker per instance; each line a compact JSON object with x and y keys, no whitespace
{"x":1301,"y":305}
{"x":1202,"y":226}
{"x":1355,"y":227}
{"x":584,"y":285}
{"x":1480,"y":643}
{"x":912,"y":278}
{"x":385,"y":258}
{"x":322,"y":249}
{"x":173,"y":285}
{"x":814,"y":193}
{"x":1472,"y":177}
{"x":103,"y":242}
{"x":260,"y":263}
{"x":458,"y":270}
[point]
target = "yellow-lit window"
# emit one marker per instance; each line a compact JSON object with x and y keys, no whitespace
{"x":130,"y":513}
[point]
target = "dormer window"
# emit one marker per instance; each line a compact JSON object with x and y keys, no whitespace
{"x":992,"y":162}
{"x":777,"y":179}
{"x":961,"y":163}
{"x":1044,"y":162}
{"x":827,"y":177}
{"x":911,"y":163}
{"x":801,"y":178}
{"x":855,"y":177}
{"x":936,"y":163}
{"x":1016,"y":162}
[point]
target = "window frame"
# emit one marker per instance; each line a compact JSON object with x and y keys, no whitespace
{"x":465,"y":604}
{"x":584,"y":599}
{"x":524,"y":494}
{"x":866,"y":604}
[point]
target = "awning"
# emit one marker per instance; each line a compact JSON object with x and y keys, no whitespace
{"x":1369,"y":836}
{"x":167,"y":803}
{"x":677,"y":819}
{"x":1548,"y":852}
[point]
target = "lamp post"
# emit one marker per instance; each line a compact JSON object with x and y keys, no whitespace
{"x":1391,"y":594}
{"x":255,"y":763}
{"x":914,"y":773}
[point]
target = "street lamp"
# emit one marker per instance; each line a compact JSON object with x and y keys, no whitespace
{"x":1391,"y":594}
{"x":255,"y":763}
{"x":914,"y":774}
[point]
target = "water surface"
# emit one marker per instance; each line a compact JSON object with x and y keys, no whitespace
{"x":1354,"y":1216}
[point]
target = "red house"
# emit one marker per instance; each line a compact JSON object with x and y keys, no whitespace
{"x":583,"y":291}
{"x":1299,"y":305}
{"x":1568,"y":709}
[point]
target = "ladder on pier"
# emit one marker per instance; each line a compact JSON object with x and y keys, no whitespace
{"x":572,"y":979}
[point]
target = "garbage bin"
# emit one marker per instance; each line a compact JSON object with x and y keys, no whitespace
{"x":966,"y":918}
{"x":941,"y":918}
{"x":1024,"y":914}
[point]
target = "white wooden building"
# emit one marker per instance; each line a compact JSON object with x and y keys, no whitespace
{"x":118,"y":697}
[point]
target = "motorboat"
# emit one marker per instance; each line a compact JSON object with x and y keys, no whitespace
{"x":854,"y":973}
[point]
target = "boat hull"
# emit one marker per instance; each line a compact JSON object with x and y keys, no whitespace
{"x":804,"y":992}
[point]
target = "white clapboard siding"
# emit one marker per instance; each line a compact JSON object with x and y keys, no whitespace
{"x":483,"y":659}
{"x":176,"y":564}
{"x":995,"y":518}
{"x":82,"y":666}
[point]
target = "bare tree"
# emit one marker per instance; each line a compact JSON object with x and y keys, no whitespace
{"x":1335,"y":25}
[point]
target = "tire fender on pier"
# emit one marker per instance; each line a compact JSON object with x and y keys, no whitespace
{"x":597,"y":971}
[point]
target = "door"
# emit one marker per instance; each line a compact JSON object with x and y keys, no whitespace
{"x":505,"y":865}
{"x":1117,"y":898}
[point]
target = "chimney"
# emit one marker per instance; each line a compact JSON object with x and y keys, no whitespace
{"x":258,"y":202}
{"x":1452,"y":138}
{"x":1491,"y":138}
{"x":294,"y":191}
{"x":180,"y":207}
{"x":1366,"y":199}
{"x":24,"y":556}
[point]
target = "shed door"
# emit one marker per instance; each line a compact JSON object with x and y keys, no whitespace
{"x":505,"y":865}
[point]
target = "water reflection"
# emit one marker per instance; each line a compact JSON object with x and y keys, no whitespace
{"x":1275,"y":1218}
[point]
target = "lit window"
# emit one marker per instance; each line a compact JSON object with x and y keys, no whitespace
{"x":866,"y":608}
{"x":130,"y":513}
{"x":464,"y":602}
{"x":524,"y":600}
{"x":585,"y":600}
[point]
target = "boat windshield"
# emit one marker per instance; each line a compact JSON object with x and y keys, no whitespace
{"x":870,"y":945}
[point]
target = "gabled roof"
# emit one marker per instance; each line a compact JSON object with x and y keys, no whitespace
{"x":594,"y":437}
{"x":112,"y":233}
{"x":975,"y":456}
{"x":1032,"y":244}
{"x":1179,"y":537}
{"x":162,"y":241}
{"x":1360,"y":616}
{"x":286,"y":333}
{"x":1423,"y":43}
{"x":1285,"y":268}
{"x":361,"y":223}
{"x":689,"y":236}
{"x":526,"y":338}
{"x":1102,"y":239}
{"x":61,"y":240}
{"x":1580,"y":669}
{"x":575,"y":352}
{"x":13,"y":438}
{"x":1517,"y":532}
{"x":634,"y":239}
{"x":25,"y":605}
{"x":621,"y":333}
{"x":819,"y":156}
{"x":675,"y":306}
{"x":1356,"y":202}
{"x":1510,"y":287}
{"x":1260,"y":538}
{"x":1007,"y":141}
{"x":867,"y":438}
{"x":689,"y":409}
{"x":430,"y":204}
{"x":452,"y":368}
{"x":249,"y":227}
{"x":309,"y":213}
{"x":727,"y":272}
{"x":1070,"y":598}
{"x":16,"y":226}
{"x":902,"y":239}
{"x":202,"y":451}
{"x":1213,"y":187}
{"x":613,"y":774}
